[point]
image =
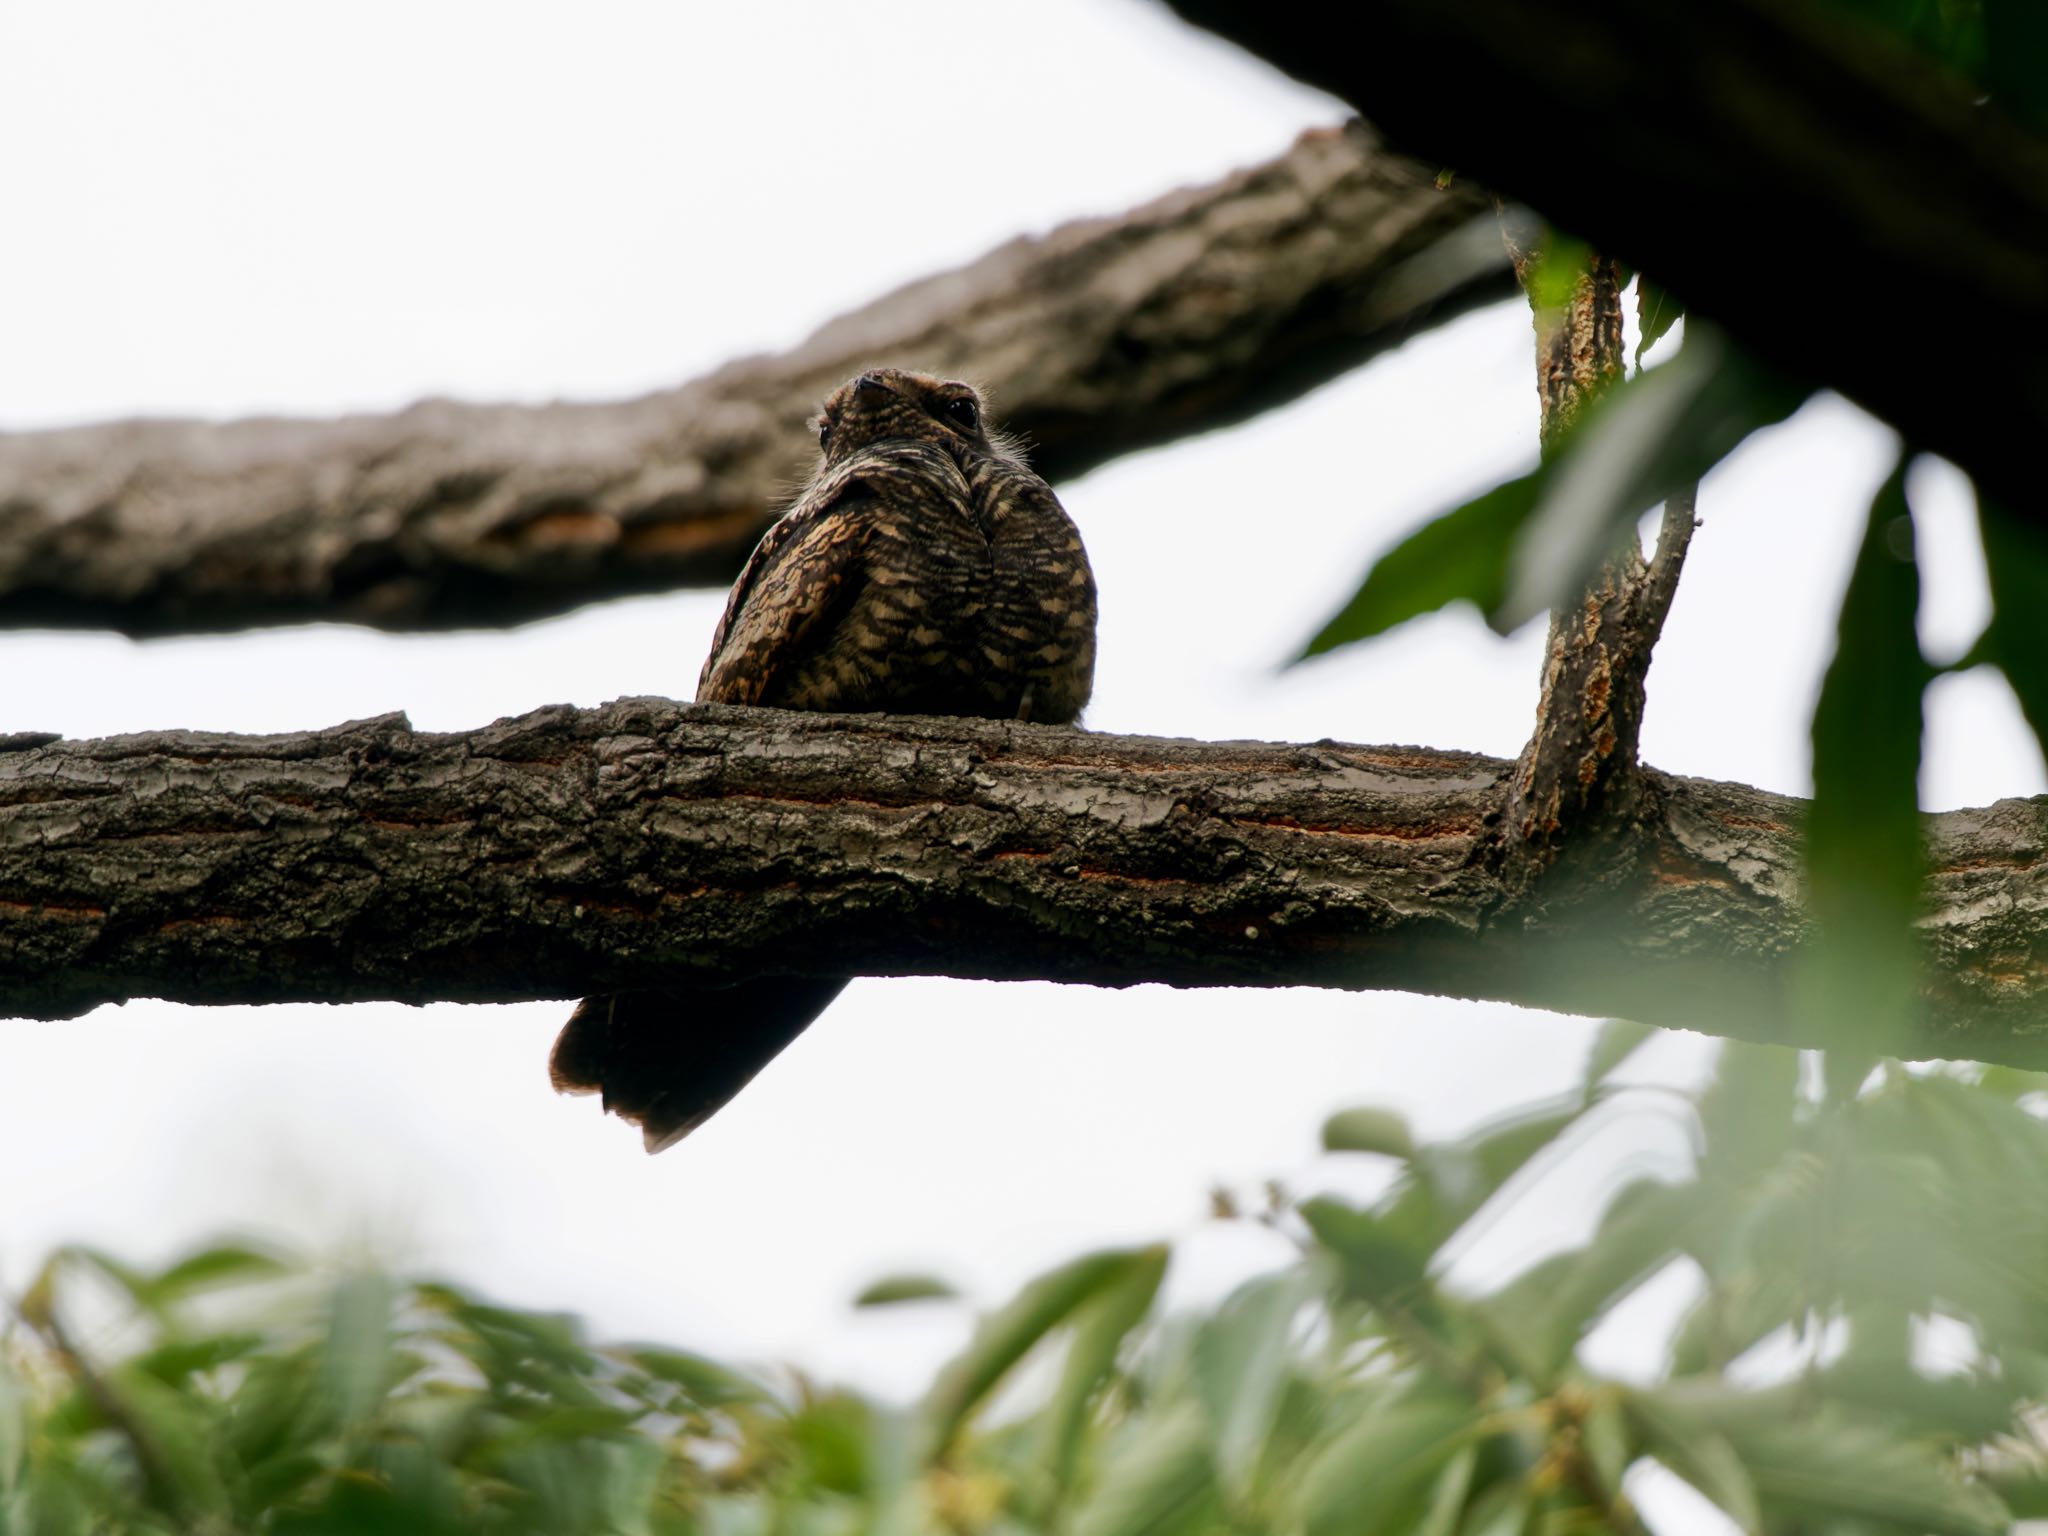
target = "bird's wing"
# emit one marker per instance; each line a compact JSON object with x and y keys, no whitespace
{"x":807,"y":569}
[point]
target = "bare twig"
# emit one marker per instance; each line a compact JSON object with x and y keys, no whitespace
{"x":1674,"y":538}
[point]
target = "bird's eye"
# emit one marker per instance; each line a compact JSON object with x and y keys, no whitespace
{"x":963,"y":413}
{"x":825,"y":434}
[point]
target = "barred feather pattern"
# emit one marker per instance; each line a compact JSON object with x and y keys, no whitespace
{"x":923,"y":570}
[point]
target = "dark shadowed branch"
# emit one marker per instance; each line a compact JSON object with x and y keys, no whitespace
{"x":1104,"y":336}
{"x":1842,"y":206}
{"x":570,"y":852}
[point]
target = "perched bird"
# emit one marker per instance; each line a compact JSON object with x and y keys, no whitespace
{"x":923,"y":570}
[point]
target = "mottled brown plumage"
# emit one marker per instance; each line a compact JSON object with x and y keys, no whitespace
{"x":924,"y":570}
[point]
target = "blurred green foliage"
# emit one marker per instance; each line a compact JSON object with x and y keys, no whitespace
{"x":1529,"y":545}
{"x":1354,"y":1389}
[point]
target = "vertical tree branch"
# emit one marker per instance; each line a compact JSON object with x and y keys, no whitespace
{"x":1577,"y":317}
{"x":1577,"y":780}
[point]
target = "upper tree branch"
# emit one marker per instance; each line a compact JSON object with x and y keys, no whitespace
{"x":1104,"y":336}
{"x":1840,"y":205}
{"x":571,"y":852}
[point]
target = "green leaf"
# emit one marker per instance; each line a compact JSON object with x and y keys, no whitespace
{"x":13,"y":1428}
{"x":1738,"y":1310}
{"x":1864,"y":857}
{"x":630,"y":1487}
{"x":1361,"y":1474}
{"x":1460,"y":555}
{"x":1819,"y":1466}
{"x":277,"y":1409}
{"x":180,"y":1358}
{"x":1544,"y":1313}
{"x":1965,"y":1409}
{"x":1710,"y":1464}
{"x":835,"y":1435}
{"x":892,"y":1289}
{"x":1617,"y":1040}
{"x":705,"y":1382}
{"x":211,"y":1268}
{"x":1748,"y":1113}
{"x":1367,"y":1129}
{"x":1529,"y":543}
{"x":1447,"y":1496}
{"x":532,"y":1353}
{"x":1656,"y":312}
{"x":1604,"y":1436}
{"x":2012,"y":1082}
{"x":1157,"y":1483}
{"x":1640,"y":443}
{"x":1451,"y":1181}
{"x":1561,"y":260}
{"x":1242,"y":1359}
{"x":1009,"y":1334}
{"x":1501,"y":1510}
{"x":358,"y":1349}
{"x":1377,"y":1262}
{"x":1504,"y":1147}
{"x":2016,"y":552}
{"x":177,"y":1430}
{"x":1101,"y":1326}
{"x":359,"y":1507}
{"x":1676,"y":1432}
{"x":2024,"y":1493}
{"x":269,"y":1484}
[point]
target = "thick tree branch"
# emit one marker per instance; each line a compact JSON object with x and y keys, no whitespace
{"x":1831,"y":199}
{"x":1101,"y":337}
{"x":570,"y":852}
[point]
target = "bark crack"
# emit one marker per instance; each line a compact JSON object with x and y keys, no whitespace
{"x":926,"y":846}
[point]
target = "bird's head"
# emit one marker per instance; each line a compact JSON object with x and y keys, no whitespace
{"x":893,"y":403}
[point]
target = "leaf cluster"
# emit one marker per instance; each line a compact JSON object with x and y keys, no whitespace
{"x":1353,"y":1389}
{"x":1530,"y":545}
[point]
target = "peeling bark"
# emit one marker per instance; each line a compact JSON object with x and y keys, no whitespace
{"x":1782,"y":165}
{"x":1578,"y":787}
{"x":1106,"y":335}
{"x":569,"y":852}
{"x":1578,"y":341}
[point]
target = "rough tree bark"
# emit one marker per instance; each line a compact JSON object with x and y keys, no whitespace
{"x":569,"y":852}
{"x":1779,"y":164}
{"x":1577,"y":785}
{"x":1106,"y":335}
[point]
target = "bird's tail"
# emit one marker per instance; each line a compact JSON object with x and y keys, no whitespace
{"x":668,"y":1061}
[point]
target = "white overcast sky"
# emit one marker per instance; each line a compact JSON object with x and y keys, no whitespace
{"x":217,"y":208}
